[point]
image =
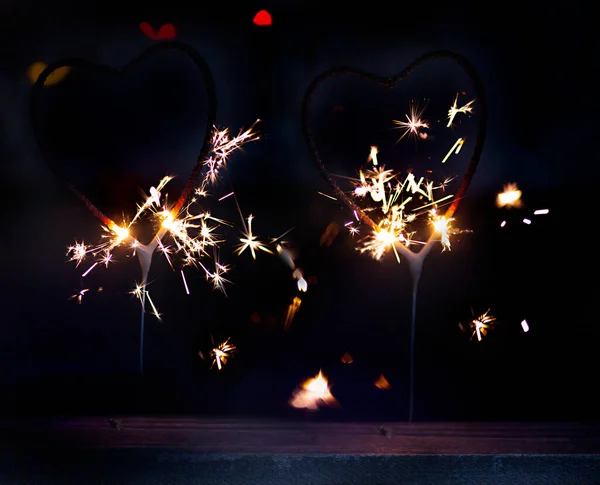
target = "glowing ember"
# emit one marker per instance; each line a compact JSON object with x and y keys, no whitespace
{"x":382,"y":383}
{"x":525,"y":326}
{"x":347,"y":358}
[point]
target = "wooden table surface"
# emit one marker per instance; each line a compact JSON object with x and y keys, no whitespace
{"x":209,"y":435}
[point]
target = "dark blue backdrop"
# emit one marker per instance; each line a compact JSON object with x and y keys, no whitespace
{"x":60,"y":357}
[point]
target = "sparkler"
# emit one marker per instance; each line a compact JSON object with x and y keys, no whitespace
{"x":191,"y":235}
{"x":190,"y":229}
{"x":391,"y":232}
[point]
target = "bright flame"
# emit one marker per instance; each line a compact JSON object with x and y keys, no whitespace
{"x":312,"y":393}
{"x":511,"y":197}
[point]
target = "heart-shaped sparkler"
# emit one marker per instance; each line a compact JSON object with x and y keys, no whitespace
{"x":144,"y":251}
{"x":415,"y":259}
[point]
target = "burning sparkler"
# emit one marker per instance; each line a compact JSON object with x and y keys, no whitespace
{"x":392,"y":226}
{"x":184,"y":229}
{"x":395,"y":229}
{"x":400,"y":206}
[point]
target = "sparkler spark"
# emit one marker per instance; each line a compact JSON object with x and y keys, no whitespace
{"x":411,"y":127}
{"x":454,"y":110}
{"x":480,"y":325}
{"x":250,"y":241}
{"x":220,"y":354}
{"x":79,"y":295}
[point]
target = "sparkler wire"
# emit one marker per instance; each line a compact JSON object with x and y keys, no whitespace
{"x":415,"y":260}
{"x":34,"y":113}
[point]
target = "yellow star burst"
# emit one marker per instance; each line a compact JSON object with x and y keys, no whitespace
{"x":250,"y":241}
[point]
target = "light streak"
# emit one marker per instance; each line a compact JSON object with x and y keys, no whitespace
{"x":455,"y":148}
{"x":187,"y":290}
{"x":526,"y":221}
{"x":525,"y":326}
{"x":541,"y":212}
{"x":325,"y":195}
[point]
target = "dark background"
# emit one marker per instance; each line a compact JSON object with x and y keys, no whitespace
{"x":540,"y":74}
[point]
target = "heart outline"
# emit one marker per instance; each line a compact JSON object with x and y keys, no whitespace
{"x":415,"y":259}
{"x":390,"y":83}
{"x":76,"y":62}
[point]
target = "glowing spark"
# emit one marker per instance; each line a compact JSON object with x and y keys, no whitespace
{"x":312,"y":393}
{"x":77,"y":252}
{"x":455,"y":148}
{"x":285,"y":256}
{"x":503,"y":223}
{"x":454,"y":110}
{"x":292,"y":309}
{"x":526,"y":221}
{"x":510,"y":197}
{"x":88,"y":270}
{"x":442,"y":226}
{"x":373,"y":155}
{"x":541,"y":212}
{"x":481,"y":325}
{"x":221,"y":353}
{"x":249,"y":241}
{"x":301,"y":282}
{"x":79,"y":295}
{"x":325,"y":195}
{"x":413,"y":124}
{"x":525,"y":326}
{"x":187,"y":290}
{"x":226,"y":196}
